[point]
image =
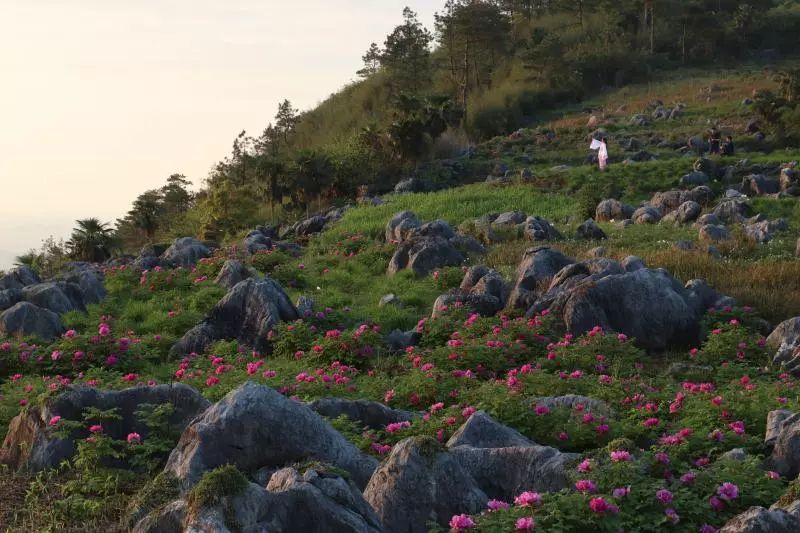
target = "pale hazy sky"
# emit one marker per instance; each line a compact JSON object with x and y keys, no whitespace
{"x":101,"y":100}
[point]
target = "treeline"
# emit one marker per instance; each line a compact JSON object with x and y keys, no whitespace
{"x":486,"y":68}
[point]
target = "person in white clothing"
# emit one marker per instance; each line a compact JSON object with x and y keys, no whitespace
{"x":602,"y":151}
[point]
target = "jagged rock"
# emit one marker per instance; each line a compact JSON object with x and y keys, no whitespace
{"x":760,"y":520}
{"x":483,"y":431}
{"x":168,"y":519}
{"x":437,"y":228}
{"x":693,"y":179}
{"x":9,"y":297}
{"x":703,"y":297}
{"x":713,"y":233}
{"x":247,"y":313}
{"x":759,"y":185}
{"x":148,"y":257}
{"x":538,"y":265}
{"x":28,"y":443}
{"x":510,"y":218}
{"x":370,"y":414}
{"x":304,"y":305}
{"x":775,"y":420}
{"x":88,"y":278}
{"x":399,"y":340}
{"x":762,"y":231}
{"x":233,"y":272}
{"x":185,"y":252}
{"x":504,"y":473}
{"x":252,"y":427}
{"x":19,"y":277}
{"x":538,"y":229}
{"x":646,"y":215}
{"x":688,"y":212}
{"x":390,"y":299}
{"x":419,"y":481}
{"x":790,"y":180}
{"x":785,"y":339}
{"x":785,"y":457}
{"x":25,"y":319}
{"x":423,"y":255}
{"x":571,"y":401}
{"x":57,"y":296}
{"x":317,"y":501}
{"x":398,"y":228}
{"x":257,"y":240}
{"x":709,"y":219}
{"x":732,"y":210}
{"x":611,"y":209}
{"x":483,"y":290}
{"x":309,"y":226}
{"x":589,"y":230}
{"x":410,"y":185}
{"x":648,"y":305}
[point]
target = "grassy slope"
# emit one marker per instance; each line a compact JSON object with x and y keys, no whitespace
{"x":159,"y":310}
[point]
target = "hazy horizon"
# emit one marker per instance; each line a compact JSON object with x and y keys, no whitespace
{"x":102,"y":101}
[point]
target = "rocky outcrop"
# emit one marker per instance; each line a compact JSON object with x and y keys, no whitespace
{"x":19,"y":277}
{"x":254,"y":427}
{"x":760,"y":520}
{"x":8,"y":297}
{"x":785,"y":457}
{"x":25,"y":319}
{"x":538,"y":229}
{"x":30,"y":444}
{"x":482,"y":290}
{"x":483,"y":431}
{"x":610,"y":209}
{"x":247,"y":313}
{"x":232,"y":273}
{"x":260,"y":239}
{"x":373,"y":415}
{"x":785,"y":340}
{"x":184,"y":252}
{"x":537,"y":267}
{"x":420,"y":481}
{"x":57,"y":296}
{"x":712,"y":233}
{"x":424,"y":248}
{"x":648,"y":305}
{"x":589,"y":230}
{"x":646,"y":214}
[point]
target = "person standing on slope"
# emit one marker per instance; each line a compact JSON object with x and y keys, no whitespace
{"x":602,"y":151}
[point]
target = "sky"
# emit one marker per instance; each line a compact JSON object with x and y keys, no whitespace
{"x":101,"y":100}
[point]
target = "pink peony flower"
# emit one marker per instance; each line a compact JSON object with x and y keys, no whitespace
{"x":602,"y":506}
{"x":585,"y":486}
{"x":495,"y":505}
{"x":54,"y":420}
{"x":527,"y":498}
{"x":664,"y":496}
{"x":97,"y":428}
{"x":461,"y":522}
{"x":134,"y":438}
{"x":728,"y":491}
{"x":524,"y":524}
{"x":620,"y":456}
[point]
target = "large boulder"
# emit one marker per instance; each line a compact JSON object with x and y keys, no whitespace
{"x":233,"y":272}
{"x":687,"y":212}
{"x":260,"y":240}
{"x":314,"y":501}
{"x":712,"y":233}
{"x":57,"y":296}
{"x":759,"y":185}
{"x":246,"y":314}
{"x":25,"y":319}
{"x":253,"y":427}
{"x":732,"y":210}
{"x":648,"y":305}
{"x":483,"y":290}
{"x":185,"y":252}
{"x":399,"y":227}
{"x":373,"y":415}
{"x":423,"y":255}
{"x":784,"y":339}
{"x":538,"y":229}
{"x":149,"y":257}
{"x":8,"y":297}
{"x":646,"y":214}
{"x":19,"y":277}
{"x":418,"y":482}
{"x":589,"y":230}
{"x":29,"y":444}
{"x":88,"y":278}
{"x":309,"y":226}
{"x":785,"y":457}
{"x":610,"y":209}
{"x":537,"y":267}
{"x":760,"y":520}
{"x":693,"y":179}
{"x":482,"y":431}
{"x":511,"y":218}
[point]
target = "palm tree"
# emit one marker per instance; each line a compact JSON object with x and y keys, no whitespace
{"x":91,"y":240}
{"x":28,"y":259}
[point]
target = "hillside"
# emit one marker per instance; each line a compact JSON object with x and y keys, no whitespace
{"x":475,"y":357}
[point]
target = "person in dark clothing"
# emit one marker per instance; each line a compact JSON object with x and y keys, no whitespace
{"x":714,"y":139}
{"x":727,"y":146}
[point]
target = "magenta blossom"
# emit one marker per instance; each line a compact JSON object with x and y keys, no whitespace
{"x":728,"y":491}
{"x":620,"y":456}
{"x":460,"y":522}
{"x":496,"y":505}
{"x":134,"y":438}
{"x":602,"y":506}
{"x":664,"y":496}
{"x":527,"y":498}
{"x":585,"y":485}
{"x":524,"y":524}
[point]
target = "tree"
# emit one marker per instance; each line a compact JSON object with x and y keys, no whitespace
{"x":145,"y":214}
{"x":474,"y":35}
{"x":312,"y":173}
{"x":91,"y":240}
{"x":406,"y":55}
{"x":176,"y":195}
{"x":286,"y":120}
{"x":417,"y":124}
{"x":372,"y":61}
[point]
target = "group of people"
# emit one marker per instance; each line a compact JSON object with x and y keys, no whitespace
{"x":715,"y":144}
